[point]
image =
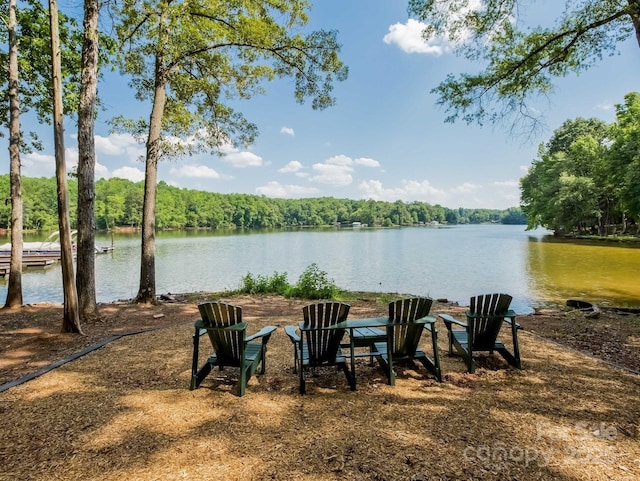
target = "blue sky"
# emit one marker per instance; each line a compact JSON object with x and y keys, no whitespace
{"x":385,"y":139}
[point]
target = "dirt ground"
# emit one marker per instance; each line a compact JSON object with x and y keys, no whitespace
{"x":124,"y":411}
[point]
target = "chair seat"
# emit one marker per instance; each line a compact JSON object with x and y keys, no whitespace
{"x":380,"y":349}
{"x":252,"y":351}
{"x":463,"y":338}
{"x":306,"y":360}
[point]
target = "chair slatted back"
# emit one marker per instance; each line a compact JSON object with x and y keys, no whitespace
{"x":406,"y":335}
{"x":323,"y":344}
{"x":488,"y":310}
{"x":228,"y":345}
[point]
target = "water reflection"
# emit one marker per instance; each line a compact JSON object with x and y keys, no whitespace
{"x":597,"y":272}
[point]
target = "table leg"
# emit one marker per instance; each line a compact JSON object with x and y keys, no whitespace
{"x":436,"y":355}
{"x":352,"y":347}
{"x":194,"y":361}
{"x":392,"y":374}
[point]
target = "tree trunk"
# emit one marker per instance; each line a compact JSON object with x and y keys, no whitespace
{"x":634,"y":7}
{"x":71,"y":320}
{"x":147,"y":291}
{"x":85,"y":278}
{"x":14,"y":289}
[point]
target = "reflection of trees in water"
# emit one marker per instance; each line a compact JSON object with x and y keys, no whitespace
{"x":560,"y":269}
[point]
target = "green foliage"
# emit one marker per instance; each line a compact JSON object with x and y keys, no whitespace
{"x":585,"y":180}
{"x":520,"y":64}
{"x":314,"y":283}
{"x":625,"y":155}
{"x":204,"y":54}
{"x":119,"y":202}
{"x":275,"y":284}
{"x":514,"y":216}
{"x":34,"y":58}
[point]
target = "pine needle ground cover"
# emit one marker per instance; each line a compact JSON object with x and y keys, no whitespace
{"x":124,"y":411}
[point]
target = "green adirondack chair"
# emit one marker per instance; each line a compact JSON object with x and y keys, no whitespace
{"x":316,"y":343}
{"x":410,"y":317}
{"x":485,"y":317}
{"x":232,"y":347}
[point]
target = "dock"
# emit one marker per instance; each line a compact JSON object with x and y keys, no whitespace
{"x":40,"y":260}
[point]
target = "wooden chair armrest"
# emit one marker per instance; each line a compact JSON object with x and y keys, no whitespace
{"x":427,"y":320}
{"x":448,"y":320}
{"x":291,"y":332}
{"x":265,"y":332}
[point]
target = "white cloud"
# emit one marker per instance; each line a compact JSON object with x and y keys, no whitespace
{"x":276,"y":189}
{"x":498,"y":195}
{"x":467,"y":187}
{"x":71,"y":159}
{"x":507,"y":183}
{"x":339,"y":160}
{"x":114,"y":144}
{"x":102,"y":172}
{"x":332,"y":174}
{"x":605,"y":106}
{"x":196,"y":171}
{"x":408,"y":37}
{"x":367,"y":162}
{"x":121,"y":145}
{"x":293,"y":166}
{"x":241,"y":160}
{"x":130,"y":173}
{"x":287,"y":131}
{"x":40,"y":165}
{"x":409,"y":191}
{"x":36,"y":164}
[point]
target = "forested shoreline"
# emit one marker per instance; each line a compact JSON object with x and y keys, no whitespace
{"x":119,"y":203}
{"x":586,"y":179}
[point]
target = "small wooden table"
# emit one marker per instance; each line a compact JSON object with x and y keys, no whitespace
{"x":379,"y":322}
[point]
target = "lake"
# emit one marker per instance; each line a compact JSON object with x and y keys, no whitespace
{"x":453,"y":262}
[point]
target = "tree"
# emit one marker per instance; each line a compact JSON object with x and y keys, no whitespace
{"x":85,"y":277}
{"x":31,"y":26}
{"x":567,"y":188}
{"x":14,"y":289}
{"x":187,"y":58}
{"x":71,"y":321}
{"x":625,"y":155}
{"x":520,"y":64}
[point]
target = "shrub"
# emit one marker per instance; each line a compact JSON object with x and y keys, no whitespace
{"x":276,"y":284}
{"x":314,"y":284}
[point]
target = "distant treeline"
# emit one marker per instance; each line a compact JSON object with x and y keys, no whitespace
{"x":119,"y":204}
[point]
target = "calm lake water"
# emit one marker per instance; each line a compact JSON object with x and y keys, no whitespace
{"x":444,"y":262}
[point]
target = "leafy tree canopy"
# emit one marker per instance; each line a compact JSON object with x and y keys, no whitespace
{"x":585,"y":179}
{"x":208,"y":53}
{"x":520,"y":63}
